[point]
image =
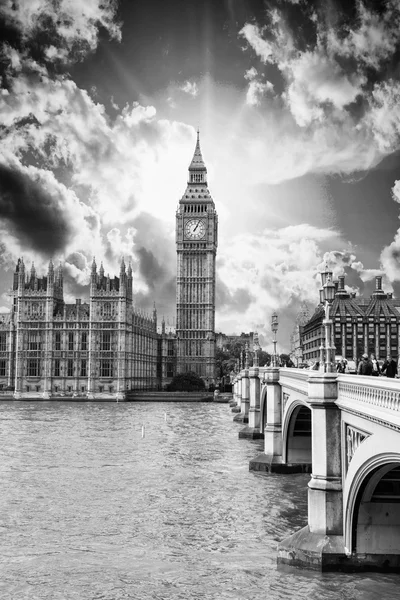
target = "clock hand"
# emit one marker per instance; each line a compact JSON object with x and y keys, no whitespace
{"x":196,"y":227}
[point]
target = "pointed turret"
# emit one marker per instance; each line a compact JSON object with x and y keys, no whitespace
{"x":197,"y":168}
{"x":59,"y":278}
{"x":122,"y":276}
{"x":50,"y":270}
{"x":163,"y":326}
{"x":50,"y":274}
{"x":130,"y":280}
{"x":154,"y":313}
{"x":16,"y":275}
{"x":21,"y":274}
{"x":101,"y":270}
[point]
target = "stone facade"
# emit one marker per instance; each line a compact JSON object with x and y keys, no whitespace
{"x":196,"y":243}
{"x":97,"y":349}
{"x":222,"y":340}
{"x":361,"y":325}
{"x":296,"y":345}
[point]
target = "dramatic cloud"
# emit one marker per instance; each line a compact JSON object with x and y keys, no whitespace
{"x":390,"y":256}
{"x":275,"y":270}
{"x":257,"y":89}
{"x":60,"y":29}
{"x":341,"y":104}
{"x":41,"y":212}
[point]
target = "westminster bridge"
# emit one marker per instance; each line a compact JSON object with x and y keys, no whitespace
{"x":345,"y":431}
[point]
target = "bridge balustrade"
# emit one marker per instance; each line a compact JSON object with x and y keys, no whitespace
{"x":345,"y":431}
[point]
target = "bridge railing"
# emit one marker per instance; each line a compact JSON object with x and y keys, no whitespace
{"x":376,"y":396}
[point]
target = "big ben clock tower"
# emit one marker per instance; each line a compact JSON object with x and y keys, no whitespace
{"x":196,"y":244}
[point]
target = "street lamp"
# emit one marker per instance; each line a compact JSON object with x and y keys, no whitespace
{"x":274,"y":327}
{"x":246,"y":355}
{"x":326,"y":296}
{"x":256,"y":348}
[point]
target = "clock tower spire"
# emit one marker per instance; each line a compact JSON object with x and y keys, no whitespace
{"x":197,"y":168}
{"x":196,"y":244}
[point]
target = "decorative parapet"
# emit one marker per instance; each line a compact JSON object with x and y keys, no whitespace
{"x":377,"y":399}
{"x":376,"y":392}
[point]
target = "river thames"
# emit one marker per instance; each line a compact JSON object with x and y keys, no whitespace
{"x":110,"y":501}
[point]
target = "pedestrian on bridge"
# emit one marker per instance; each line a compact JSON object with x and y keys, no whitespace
{"x":376,"y":370}
{"x":364,"y":366}
{"x":390,"y":366}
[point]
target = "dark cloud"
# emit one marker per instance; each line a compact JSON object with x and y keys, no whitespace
{"x":78,"y":260}
{"x":149,"y":267}
{"x":73,"y":287}
{"x":32,"y":213}
{"x":240,"y":299}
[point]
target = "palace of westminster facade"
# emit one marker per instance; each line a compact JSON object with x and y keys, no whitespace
{"x":105,"y":348}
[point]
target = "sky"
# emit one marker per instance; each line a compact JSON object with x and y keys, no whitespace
{"x":298,"y":105}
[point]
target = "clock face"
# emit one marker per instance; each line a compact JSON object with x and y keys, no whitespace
{"x":195,"y":229}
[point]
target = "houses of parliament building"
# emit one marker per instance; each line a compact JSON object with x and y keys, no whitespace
{"x":104,"y":348}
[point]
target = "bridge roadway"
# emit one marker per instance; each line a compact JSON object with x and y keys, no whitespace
{"x":345,"y":431}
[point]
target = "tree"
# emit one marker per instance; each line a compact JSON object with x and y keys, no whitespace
{"x":186,"y":382}
{"x":225,"y":362}
{"x":263,"y":358}
{"x":284,"y":358}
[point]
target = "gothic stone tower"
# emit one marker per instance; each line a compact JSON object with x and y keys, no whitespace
{"x":196,"y":243}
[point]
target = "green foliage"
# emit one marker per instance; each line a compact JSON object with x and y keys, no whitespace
{"x":186,"y":382}
{"x":225,"y":362}
{"x":227,"y":358}
{"x":264,"y":358}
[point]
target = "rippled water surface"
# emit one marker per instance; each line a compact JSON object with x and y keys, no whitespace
{"x":90,"y":509}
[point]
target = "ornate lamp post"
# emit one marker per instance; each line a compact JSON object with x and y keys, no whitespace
{"x":256,"y":346}
{"x":246,"y":355}
{"x":274,"y":327}
{"x":326,"y":296}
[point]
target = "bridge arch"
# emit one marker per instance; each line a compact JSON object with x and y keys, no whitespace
{"x":263,"y":407}
{"x":372,"y":515}
{"x":296,"y":433}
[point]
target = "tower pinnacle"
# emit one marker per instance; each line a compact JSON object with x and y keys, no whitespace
{"x":197,"y":168}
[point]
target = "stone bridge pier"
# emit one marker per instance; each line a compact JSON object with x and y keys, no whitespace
{"x":345,"y":431}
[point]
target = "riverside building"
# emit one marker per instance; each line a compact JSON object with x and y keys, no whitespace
{"x":104,"y":347}
{"x":361,"y":325}
{"x":101,"y":348}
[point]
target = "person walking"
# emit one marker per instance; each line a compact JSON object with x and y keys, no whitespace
{"x":364,"y":366}
{"x":340,"y":366}
{"x":376,"y":370}
{"x":390,"y":367}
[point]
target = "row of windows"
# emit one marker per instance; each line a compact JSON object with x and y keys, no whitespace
{"x":70,"y":341}
{"x":34,"y":368}
{"x":196,"y":178}
{"x":78,"y":325}
{"x":3,"y":341}
{"x":195,"y":208}
{"x":36,"y":388}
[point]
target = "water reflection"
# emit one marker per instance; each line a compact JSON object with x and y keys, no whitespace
{"x":90,"y":509}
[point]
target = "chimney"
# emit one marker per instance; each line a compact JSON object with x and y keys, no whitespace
{"x":341,"y":282}
{"x":378,"y":283}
